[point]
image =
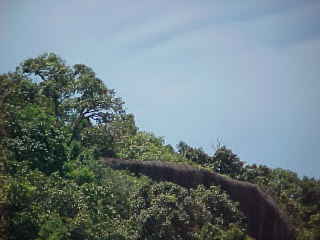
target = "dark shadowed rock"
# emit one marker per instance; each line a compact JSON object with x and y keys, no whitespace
{"x":265,"y":220}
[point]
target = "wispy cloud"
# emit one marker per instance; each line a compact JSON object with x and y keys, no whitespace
{"x":271,"y":23}
{"x":193,"y":70}
{"x":287,"y":28}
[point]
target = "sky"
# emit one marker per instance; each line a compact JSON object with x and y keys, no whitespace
{"x":244,"y":72}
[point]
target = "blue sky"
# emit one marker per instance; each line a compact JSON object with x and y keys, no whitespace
{"x":246,"y":72}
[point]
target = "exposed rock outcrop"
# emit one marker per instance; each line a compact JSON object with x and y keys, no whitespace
{"x":265,"y":220}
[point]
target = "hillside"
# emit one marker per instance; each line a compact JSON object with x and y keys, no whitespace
{"x":56,"y":124}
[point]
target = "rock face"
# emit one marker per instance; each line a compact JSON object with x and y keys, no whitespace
{"x":265,"y":220}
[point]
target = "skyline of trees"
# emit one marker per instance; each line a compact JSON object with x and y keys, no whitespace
{"x":56,"y":121}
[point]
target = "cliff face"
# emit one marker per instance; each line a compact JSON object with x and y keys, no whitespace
{"x":265,"y":220}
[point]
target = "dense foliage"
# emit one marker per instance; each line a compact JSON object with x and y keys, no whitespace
{"x":56,"y":121}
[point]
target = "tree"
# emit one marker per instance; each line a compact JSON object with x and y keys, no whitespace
{"x":56,"y":121}
{"x":168,"y":211}
{"x":196,"y":155}
{"x":226,"y":162}
{"x":47,"y":105}
{"x":265,"y":219}
{"x":146,"y":146}
{"x":78,"y":97}
{"x":36,"y":138}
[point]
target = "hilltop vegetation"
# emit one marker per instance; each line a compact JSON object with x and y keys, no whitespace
{"x":57,"y":121}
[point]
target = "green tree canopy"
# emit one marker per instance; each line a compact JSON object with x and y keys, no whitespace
{"x":56,"y":121}
{"x":76,"y":95}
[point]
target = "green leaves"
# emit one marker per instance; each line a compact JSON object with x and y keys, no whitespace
{"x":213,"y":232}
{"x":52,"y":207}
{"x":56,"y":121}
{"x":54,"y":228}
{"x":196,"y":155}
{"x":224,"y":161}
{"x":168,"y":211}
{"x":146,"y":146}
{"x":48,"y":105}
{"x":77,"y":97}
{"x":37,"y":138}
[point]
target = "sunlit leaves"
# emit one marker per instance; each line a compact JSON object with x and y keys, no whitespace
{"x":146,"y":146}
{"x":36,"y":137}
{"x":57,"y":120}
{"x":77,"y":96}
{"x":168,"y":211}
